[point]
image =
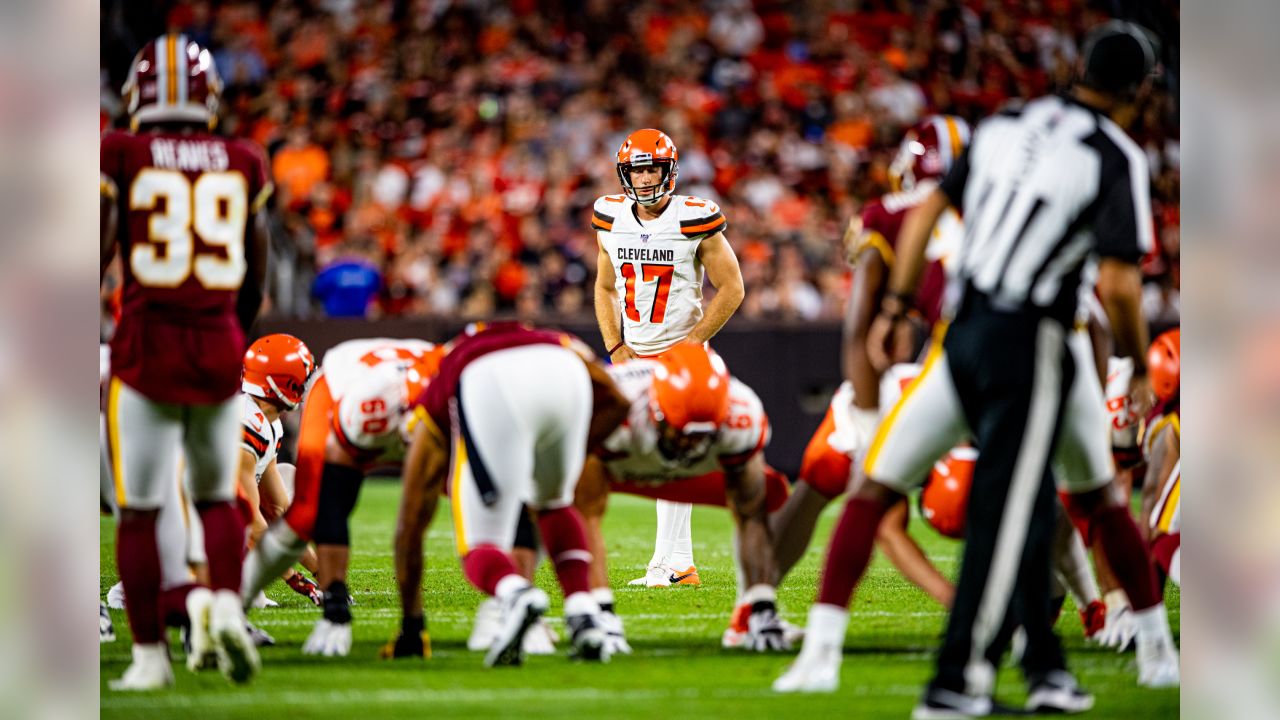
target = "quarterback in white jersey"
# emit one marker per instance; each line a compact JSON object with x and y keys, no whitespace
{"x":690,"y":425}
{"x":655,"y":248}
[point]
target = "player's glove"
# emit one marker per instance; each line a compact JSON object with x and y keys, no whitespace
{"x":765,"y":632}
{"x":329,"y":639}
{"x":413,"y":641}
{"x":1119,"y":630}
{"x":305,"y":587}
{"x":615,"y":639}
{"x":1094,"y":619}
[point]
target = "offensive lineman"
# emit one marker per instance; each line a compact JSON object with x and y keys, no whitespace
{"x":193,"y":238}
{"x":655,"y":247}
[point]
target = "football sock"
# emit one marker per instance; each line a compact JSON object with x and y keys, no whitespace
{"x":666,"y":532}
{"x":1127,"y":555}
{"x":277,"y":550}
{"x":173,"y":604}
{"x":139,"y":562}
{"x":850,"y":551}
{"x":681,"y":556}
{"x":485,"y":565}
{"x":604,"y":598}
{"x":566,"y":543}
{"x":826,"y":626}
{"x":223,"y":543}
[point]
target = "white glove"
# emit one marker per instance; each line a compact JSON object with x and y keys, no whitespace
{"x":765,"y":632}
{"x":1120,"y":629}
{"x":615,"y":639}
{"x":329,"y":639}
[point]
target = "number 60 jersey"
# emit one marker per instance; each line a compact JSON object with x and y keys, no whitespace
{"x":656,"y":268}
{"x":185,"y":200}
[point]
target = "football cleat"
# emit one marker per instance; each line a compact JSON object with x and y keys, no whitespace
{"x":262,"y":601}
{"x":487,"y":624}
{"x":412,"y":640}
{"x":106,"y":630}
{"x":1058,"y":692}
{"x":589,"y":640}
{"x":939,"y":704}
{"x":519,"y":613}
{"x":260,"y":637}
{"x":150,"y":669}
{"x":615,"y":637}
{"x":305,"y":587}
{"x":540,"y":639}
{"x":115,"y":597}
{"x":655,"y":576}
{"x":328,"y":638}
{"x":237,"y":655}
{"x":688,"y":576}
{"x":198,"y":642}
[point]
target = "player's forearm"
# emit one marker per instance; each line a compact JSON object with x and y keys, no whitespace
{"x":607,"y":316}
{"x":409,"y":563}
{"x":910,"y":560}
{"x":868,"y":282}
{"x":746,"y":495}
{"x":904,"y":278}
{"x":1120,"y":290}
{"x":718,"y":311}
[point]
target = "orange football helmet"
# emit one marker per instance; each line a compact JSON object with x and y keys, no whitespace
{"x":173,"y":79}
{"x":647,"y":148}
{"x":945,"y":499}
{"x":1164,"y":361}
{"x":691,"y":389}
{"x":928,"y":150}
{"x":277,"y":368}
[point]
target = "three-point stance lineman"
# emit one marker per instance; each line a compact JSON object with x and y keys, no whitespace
{"x":1041,"y":187}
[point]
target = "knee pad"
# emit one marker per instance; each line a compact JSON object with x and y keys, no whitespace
{"x":776,"y":489}
{"x":339,"y":488}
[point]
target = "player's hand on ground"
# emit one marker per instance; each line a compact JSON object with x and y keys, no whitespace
{"x":1119,"y":630}
{"x":407,"y":646}
{"x":765,"y":632}
{"x":615,"y":638}
{"x":329,"y":639}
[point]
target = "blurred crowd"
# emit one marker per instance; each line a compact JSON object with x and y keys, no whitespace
{"x":437,"y":156}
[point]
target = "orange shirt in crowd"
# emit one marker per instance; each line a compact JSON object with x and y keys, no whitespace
{"x":297,"y":170}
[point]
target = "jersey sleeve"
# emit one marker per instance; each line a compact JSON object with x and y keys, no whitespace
{"x":253,"y":429}
{"x":746,"y":432}
{"x":875,"y":230}
{"x":700,"y":218}
{"x":111,"y":164}
{"x":604,"y":211}
{"x":1122,"y":226}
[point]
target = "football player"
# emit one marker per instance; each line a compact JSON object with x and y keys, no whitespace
{"x":355,"y":417}
{"x":693,"y":434}
{"x":186,"y":209}
{"x":655,"y":248}
{"x":1162,"y":490}
{"x":521,"y":407}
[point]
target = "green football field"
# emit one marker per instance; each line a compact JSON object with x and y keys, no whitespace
{"x":677,"y":669}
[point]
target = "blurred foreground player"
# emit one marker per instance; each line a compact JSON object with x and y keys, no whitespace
{"x":517,"y":405}
{"x":188,"y":207}
{"x":1162,"y":445}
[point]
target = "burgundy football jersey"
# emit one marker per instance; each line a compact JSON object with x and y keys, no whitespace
{"x":881,"y":223}
{"x":186,"y":200}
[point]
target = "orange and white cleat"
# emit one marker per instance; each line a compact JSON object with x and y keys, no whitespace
{"x":688,"y":576}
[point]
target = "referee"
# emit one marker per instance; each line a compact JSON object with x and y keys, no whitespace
{"x":1042,"y":187}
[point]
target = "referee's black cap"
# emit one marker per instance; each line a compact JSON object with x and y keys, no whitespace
{"x":1118,"y":56}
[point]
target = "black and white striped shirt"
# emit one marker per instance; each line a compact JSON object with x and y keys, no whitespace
{"x":1041,"y":187}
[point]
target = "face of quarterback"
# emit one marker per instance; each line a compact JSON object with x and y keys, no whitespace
{"x":646,"y":180}
{"x":681,"y":447}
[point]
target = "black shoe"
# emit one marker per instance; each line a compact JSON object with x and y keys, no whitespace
{"x":940,"y":704}
{"x":1058,"y":692}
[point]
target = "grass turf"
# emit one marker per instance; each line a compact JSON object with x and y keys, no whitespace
{"x":677,"y":667}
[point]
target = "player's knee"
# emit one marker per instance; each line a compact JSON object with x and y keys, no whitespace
{"x":339,"y":488}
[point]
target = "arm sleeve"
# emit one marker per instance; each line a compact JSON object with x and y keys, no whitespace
{"x":1122,"y":226}
{"x":954,"y":183}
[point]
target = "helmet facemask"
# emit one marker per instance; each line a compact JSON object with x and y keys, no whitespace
{"x":649,"y":195}
{"x":688,"y":445}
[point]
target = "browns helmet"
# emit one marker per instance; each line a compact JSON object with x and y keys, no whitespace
{"x":173,"y":79}
{"x":646,"y":148}
{"x":928,"y":150}
{"x":1164,"y":364}
{"x":944,"y":502}
{"x":277,"y":368}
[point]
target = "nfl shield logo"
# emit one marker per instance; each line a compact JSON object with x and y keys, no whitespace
{"x":644,"y":237}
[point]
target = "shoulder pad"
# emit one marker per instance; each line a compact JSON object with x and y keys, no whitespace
{"x":699,"y":217}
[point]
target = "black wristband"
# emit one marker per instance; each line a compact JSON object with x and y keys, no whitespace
{"x":615,"y":348}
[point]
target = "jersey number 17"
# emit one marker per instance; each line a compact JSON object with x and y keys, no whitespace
{"x":649,"y":272}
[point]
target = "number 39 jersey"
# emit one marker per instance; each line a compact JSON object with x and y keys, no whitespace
{"x":631,"y":452}
{"x":184,"y":201}
{"x":656,"y":266}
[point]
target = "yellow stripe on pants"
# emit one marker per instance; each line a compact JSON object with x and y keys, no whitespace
{"x":113,"y":437}
{"x":455,"y":496}
{"x":886,"y":427}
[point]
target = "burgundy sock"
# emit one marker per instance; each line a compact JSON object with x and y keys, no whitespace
{"x":566,"y":543}
{"x":223,"y":542}
{"x":138,"y":559}
{"x":850,"y":551}
{"x":173,"y":605}
{"x":1127,"y":555}
{"x":485,"y":565}
{"x":1162,"y":550}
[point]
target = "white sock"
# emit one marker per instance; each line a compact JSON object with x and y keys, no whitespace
{"x":681,"y":555}
{"x":603,"y":596}
{"x":580,"y":603}
{"x":509,"y":585}
{"x":662,"y":542}
{"x":827,"y":626}
{"x":278,"y":549}
{"x":1175,"y":567}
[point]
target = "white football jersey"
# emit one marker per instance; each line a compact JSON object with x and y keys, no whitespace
{"x":656,"y":266}
{"x":259,"y":437}
{"x":632,"y":454}
{"x":368,"y":382}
